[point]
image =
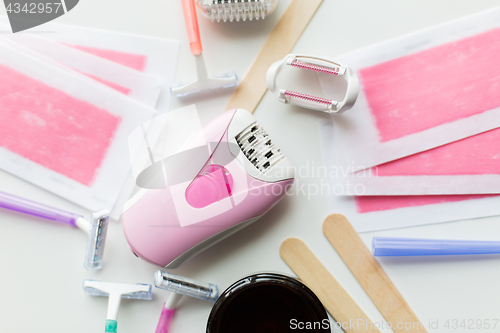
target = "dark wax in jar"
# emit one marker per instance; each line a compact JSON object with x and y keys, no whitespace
{"x":268,"y":303}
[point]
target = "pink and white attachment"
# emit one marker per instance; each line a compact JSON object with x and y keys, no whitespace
{"x":321,"y":65}
{"x":226,"y":177}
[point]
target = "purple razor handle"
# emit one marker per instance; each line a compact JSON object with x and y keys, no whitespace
{"x":96,"y":228}
{"x":26,"y":206}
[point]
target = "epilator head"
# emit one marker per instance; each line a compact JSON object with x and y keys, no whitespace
{"x":320,"y":65}
{"x":226,"y":177}
{"x":236,"y":10}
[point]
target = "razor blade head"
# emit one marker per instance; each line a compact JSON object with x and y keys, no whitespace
{"x":320,"y":65}
{"x":185,"y":286}
{"x":236,"y":10}
{"x":227,"y":80}
{"x":96,"y":241}
{"x":130,"y":291}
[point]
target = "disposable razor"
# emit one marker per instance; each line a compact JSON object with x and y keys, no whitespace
{"x":204,"y":82}
{"x":96,"y":228}
{"x":321,"y":65}
{"x":180,"y":286}
{"x":115,"y":292}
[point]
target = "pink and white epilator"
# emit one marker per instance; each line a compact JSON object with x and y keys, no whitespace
{"x":211,"y":191}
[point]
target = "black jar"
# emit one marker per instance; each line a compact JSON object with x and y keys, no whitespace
{"x":266,"y":303}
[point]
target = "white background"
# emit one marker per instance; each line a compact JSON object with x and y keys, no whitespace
{"x":41,"y":268}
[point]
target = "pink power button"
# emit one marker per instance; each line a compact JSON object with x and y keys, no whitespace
{"x":212,"y":184}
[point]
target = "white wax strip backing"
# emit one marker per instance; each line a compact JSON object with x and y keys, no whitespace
{"x":161,"y":54}
{"x":114,"y":166}
{"x":357,"y":136}
{"x":161,"y":60}
{"x":236,"y":10}
{"x":402,"y":216}
{"x":142,"y":87}
{"x":258,"y":147}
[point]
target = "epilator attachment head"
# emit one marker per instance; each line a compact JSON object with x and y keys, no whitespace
{"x":236,"y":10}
{"x":321,"y":65}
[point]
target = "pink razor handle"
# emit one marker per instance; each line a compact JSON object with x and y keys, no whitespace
{"x":165,"y":320}
{"x":243,"y":176}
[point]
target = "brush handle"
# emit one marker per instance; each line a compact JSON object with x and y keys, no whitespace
{"x":22,"y":205}
{"x":394,"y":246}
{"x":165,"y":319}
{"x":192,"y":28}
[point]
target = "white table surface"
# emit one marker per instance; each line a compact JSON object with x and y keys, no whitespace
{"x":41,"y":271}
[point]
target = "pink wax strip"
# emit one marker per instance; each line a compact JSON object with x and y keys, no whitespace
{"x":367,"y":204}
{"x":433,"y":87}
{"x":49,"y":127}
{"x":475,"y":155}
{"x":131,"y":60}
{"x":112,"y":85}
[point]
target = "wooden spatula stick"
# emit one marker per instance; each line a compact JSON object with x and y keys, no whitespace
{"x":370,"y":275}
{"x":334,"y":298}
